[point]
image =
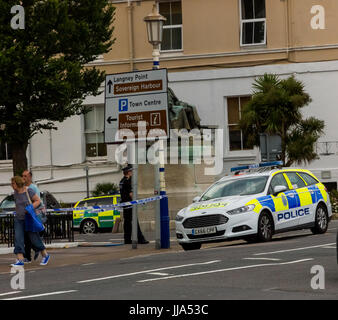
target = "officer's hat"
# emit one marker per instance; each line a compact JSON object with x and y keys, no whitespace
{"x":127,"y":168}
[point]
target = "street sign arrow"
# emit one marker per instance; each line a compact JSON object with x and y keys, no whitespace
{"x":110,"y":83}
{"x":110,"y":120}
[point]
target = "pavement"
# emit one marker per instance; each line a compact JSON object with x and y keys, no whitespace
{"x":99,"y":245}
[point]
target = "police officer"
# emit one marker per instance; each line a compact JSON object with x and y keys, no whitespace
{"x":126,"y":196}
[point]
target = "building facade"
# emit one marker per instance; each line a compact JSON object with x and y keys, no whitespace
{"x":213,"y":50}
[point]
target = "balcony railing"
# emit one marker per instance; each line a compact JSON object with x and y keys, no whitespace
{"x":327,"y":148}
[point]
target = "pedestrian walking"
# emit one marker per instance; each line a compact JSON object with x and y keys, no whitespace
{"x":21,"y":194}
{"x":40,"y":212}
{"x":126,"y":196}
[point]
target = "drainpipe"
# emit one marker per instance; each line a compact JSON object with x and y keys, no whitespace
{"x":131,"y":35}
{"x":288,"y":28}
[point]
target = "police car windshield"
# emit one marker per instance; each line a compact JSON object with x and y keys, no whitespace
{"x":236,"y":187}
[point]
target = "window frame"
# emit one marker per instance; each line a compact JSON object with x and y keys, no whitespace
{"x":242,"y":21}
{"x":304,"y":178}
{"x":287,"y":173}
{"x":173,"y":26}
{"x":234,"y":125}
{"x":94,"y":131}
{"x":7,"y":153}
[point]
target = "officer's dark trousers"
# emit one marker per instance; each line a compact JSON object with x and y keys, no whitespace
{"x":127,"y":226}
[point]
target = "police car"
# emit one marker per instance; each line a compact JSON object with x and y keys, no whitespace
{"x":254,"y":205}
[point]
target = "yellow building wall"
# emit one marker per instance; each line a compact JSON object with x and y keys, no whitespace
{"x":211,"y":36}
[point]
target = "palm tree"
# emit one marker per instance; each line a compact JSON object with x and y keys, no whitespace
{"x":275,"y":108}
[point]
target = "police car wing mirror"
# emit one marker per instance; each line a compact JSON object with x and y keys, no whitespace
{"x":279,"y":189}
{"x":196,"y":199}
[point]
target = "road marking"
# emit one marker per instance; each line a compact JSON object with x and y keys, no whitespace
{"x":270,"y":259}
{"x":329,"y":247}
{"x":88,"y":264}
{"x":158,"y":273}
{"x":295,"y":249}
{"x":227,"y":269}
{"x":42,"y":295}
{"x":9,"y":293}
{"x":148,"y":271}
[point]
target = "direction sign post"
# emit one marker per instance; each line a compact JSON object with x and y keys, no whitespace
{"x":130,"y":99}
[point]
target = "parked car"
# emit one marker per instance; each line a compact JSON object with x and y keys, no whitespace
{"x":254,"y":206}
{"x":8,"y":205}
{"x":91,"y":220}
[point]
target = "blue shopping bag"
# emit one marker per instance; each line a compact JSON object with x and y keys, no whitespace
{"x":32,"y":222}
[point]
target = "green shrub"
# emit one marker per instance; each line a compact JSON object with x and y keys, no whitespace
{"x":334,"y":200}
{"x":102,"y":189}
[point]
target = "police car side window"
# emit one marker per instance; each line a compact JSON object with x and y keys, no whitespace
{"x":277,"y":180}
{"x":309,"y":180}
{"x":295,"y":180}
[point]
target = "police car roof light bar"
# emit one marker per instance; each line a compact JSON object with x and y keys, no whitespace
{"x":257,"y":165}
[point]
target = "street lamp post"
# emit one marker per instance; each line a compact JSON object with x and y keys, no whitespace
{"x":154,"y":22}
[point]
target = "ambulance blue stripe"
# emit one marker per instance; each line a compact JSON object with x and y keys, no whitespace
{"x":267,"y":201}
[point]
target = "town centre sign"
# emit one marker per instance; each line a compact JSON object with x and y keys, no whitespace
{"x":136,"y":106}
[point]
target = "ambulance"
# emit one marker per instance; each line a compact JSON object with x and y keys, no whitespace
{"x":255,"y":203}
{"x":92,"y":220}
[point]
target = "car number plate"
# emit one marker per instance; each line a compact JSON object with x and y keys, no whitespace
{"x":204,"y":230}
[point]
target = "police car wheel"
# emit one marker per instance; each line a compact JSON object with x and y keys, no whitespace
{"x":88,"y":227}
{"x":265,"y":227}
{"x":191,"y":246}
{"x":321,"y":220}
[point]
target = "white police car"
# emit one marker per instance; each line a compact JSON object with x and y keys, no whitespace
{"x":254,"y":206}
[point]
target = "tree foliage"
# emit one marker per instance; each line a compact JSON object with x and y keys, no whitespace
{"x":43,"y":73}
{"x":275,"y":108}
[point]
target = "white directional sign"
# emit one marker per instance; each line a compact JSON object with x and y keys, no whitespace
{"x":136,"y":100}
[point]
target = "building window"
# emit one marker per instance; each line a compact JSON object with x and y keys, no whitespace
{"x":253,"y":22}
{"x":172,"y":28}
{"x":237,"y":140}
{"x":94,"y":132}
{"x":5,"y":151}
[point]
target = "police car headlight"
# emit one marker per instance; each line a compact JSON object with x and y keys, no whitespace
{"x":242,"y":209}
{"x":179,"y":218}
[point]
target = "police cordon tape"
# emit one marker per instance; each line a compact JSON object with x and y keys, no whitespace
{"x":106,"y":206}
{"x":110,"y":206}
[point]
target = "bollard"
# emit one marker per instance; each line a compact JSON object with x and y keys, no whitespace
{"x":165,"y":223}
